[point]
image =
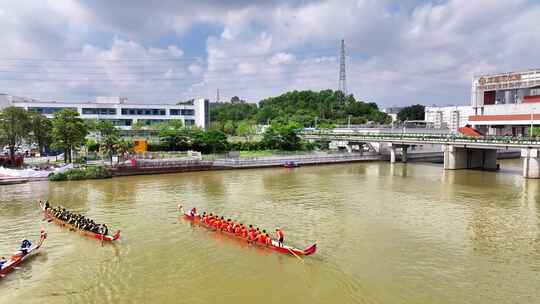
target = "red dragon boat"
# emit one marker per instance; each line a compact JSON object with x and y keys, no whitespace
{"x":99,"y":236}
{"x":275,"y":247}
{"x":19,"y":257}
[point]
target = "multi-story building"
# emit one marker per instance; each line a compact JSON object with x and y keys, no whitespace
{"x":501,"y":104}
{"x":506,"y":104}
{"x":449,"y":117}
{"x":119,"y":111}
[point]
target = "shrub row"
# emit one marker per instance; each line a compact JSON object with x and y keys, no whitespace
{"x":93,"y":172}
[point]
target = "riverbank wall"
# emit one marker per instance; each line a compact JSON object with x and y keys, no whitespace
{"x":178,"y":166}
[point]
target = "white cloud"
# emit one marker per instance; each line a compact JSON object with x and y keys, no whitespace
{"x":399,"y":52}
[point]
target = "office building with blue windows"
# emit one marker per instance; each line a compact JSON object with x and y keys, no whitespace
{"x":119,"y":111}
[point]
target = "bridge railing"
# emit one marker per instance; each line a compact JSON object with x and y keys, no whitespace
{"x":427,"y":137}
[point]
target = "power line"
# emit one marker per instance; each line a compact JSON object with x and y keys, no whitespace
{"x":311,"y":52}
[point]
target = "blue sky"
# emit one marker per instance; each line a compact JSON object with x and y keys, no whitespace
{"x":398,"y":52}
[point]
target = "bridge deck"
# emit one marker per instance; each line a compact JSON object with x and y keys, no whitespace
{"x":487,"y":142}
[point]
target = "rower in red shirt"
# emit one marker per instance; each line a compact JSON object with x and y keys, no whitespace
{"x":238,"y":229}
{"x":261,"y":238}
{"x":280,"y":236}
{"x":268,"y":240}
{"x":217,"y":223}
{"x":244,"y":231}
{"x":208,"y":218}
{"x":251,"y":236}
{"x":224,"y":224}
{"x":230,"y":228}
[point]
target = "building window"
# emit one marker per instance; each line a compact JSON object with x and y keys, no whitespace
{"x":189,"y":122}
{"x":150,"y":122}
{"x":147,"y":112}
{"x":48,"y":110}
{"x":99,"y":111}
{"x":187,"y":112}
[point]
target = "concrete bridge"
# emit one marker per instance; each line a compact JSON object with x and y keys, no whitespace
{"x":460,"y":152}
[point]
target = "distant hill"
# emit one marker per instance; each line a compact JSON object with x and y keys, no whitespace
{"x":304,"y":107}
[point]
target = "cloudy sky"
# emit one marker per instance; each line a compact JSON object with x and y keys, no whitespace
{"x":398,"y":52}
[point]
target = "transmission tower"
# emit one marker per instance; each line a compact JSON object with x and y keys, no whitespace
{"x":342,"y":74}
{"x":217,"y":96}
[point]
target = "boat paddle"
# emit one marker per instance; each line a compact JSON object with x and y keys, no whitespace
{"x":301,"y":260}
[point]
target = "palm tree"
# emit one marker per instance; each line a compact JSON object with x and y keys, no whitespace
{"x":123,"y":148}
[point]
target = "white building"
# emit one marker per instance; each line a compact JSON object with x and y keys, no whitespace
{"x":449,"y":117}
{"x":392,"y":112}
{"x":501,"y":104}
{"x":506,"y":104}
{"x":118,"y":110}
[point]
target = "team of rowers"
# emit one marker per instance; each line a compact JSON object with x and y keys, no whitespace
{"x":77,"y":220}
{"x":250,"y":233}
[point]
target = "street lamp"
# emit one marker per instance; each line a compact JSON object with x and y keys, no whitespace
{"x":532,"y":122}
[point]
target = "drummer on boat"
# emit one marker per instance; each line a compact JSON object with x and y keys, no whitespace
{"x":25,"y":246}
{"x":2,"y":261}
{"x":280,"y":236}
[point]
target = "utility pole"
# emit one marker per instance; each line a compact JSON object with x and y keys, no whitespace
{"x":342,"y":73}
{"x":532,"y":122}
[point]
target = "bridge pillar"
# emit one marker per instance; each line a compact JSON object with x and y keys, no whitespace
{"x":404,"y":154}
{"x":392,"y":154}
{"x":531,"y":163}
{"x":464,"y":158}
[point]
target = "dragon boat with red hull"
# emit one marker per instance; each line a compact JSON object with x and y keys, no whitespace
{"x":18,"y":258}
{"x":275,"y":246}
{"x":99,"y":236}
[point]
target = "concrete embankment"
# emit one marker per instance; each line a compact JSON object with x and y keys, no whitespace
{"x":301,"y":160}
{"x":12,"y":181}
{"x":158,"y":167}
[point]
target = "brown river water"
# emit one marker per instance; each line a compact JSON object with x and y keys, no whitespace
{"x":403,"y":233}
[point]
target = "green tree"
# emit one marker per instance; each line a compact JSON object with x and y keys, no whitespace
{"x":283,"y":136}
{"x":174,"y":136}
{"x":69,"y":132}
{"x":15,"y":128}
{"x":244,"y":129}
{"x":41,"y":131}
{"x":229,"y":127}
{"x":109,"y":136}
{"x":414,"y":112}
{"x":123,"y":148}
{"x":211,"y":141}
